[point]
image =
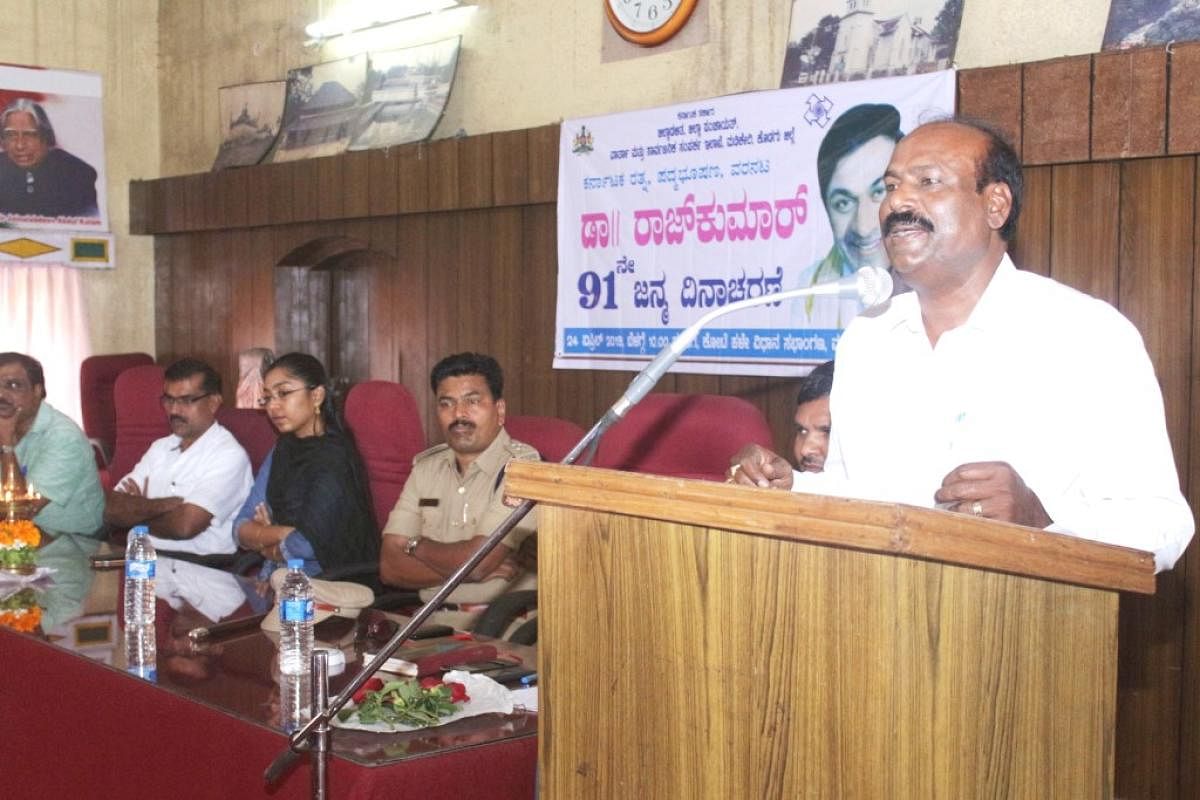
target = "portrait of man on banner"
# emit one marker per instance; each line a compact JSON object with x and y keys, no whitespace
{"x":51,"y":150}
{"x":850,"y":164}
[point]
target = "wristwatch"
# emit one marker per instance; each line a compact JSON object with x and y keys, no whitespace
{"x":410,"y":549}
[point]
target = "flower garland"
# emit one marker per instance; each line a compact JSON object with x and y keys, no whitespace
{"x":20,"y":611}
{"x":19,"y":541}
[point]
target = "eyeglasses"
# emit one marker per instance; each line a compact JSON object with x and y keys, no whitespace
{"x":187,"y":400}
{"x":12,"y":135}
{"x":278,"y":396}
{"x":14,"y":385}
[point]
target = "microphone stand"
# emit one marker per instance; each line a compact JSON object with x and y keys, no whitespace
{"x":871,"y":285}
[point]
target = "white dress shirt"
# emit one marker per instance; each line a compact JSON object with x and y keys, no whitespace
{"x":1052,"y":381}
{"x":213,"y":473}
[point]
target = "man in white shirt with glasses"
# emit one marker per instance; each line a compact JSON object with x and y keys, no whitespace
{"x":189,"y":485}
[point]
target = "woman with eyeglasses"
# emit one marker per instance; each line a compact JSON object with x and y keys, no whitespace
{"x":310,"y":498}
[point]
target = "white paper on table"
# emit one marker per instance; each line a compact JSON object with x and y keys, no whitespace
{"x":487,"y":697}
{"x":526,"y":697}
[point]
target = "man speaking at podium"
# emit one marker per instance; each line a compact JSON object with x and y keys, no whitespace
{"x":1009,"y":396}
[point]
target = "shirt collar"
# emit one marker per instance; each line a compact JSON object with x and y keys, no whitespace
{"x":907,"y":308}
{"x":490,"y":460}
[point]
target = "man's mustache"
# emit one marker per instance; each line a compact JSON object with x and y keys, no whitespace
{"x":463,"y":425}
{"x":176,"y":418}
{"x":905,"y":218}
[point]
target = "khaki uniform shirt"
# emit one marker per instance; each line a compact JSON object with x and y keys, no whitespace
{"x":439,"y":504}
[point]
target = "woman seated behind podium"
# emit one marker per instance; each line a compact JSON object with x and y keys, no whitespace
{"x":310,"y":498}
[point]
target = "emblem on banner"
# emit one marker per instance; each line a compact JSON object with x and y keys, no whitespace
{"x":820,"y":111}
{"x":582,"y":143}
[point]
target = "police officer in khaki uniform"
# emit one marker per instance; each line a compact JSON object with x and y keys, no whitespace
{"x":455,"y":496}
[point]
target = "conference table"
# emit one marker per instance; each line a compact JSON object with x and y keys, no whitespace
{"x":209,"y":722}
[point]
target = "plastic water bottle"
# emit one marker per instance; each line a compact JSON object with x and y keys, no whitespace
{"x":140,"y":561}
{"x":295,"y":621}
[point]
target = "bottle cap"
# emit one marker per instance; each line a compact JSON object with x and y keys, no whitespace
{"x":139,"y":530}
{"x":295,"y":563}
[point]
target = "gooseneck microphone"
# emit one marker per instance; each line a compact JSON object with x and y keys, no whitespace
{"x":871,"y":285}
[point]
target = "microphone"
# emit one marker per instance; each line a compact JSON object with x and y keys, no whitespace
{"x":871,"y":285}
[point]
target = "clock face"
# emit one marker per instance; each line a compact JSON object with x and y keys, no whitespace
{"x":648,"y":22}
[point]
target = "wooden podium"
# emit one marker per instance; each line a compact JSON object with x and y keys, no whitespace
{"x":699,"y":640}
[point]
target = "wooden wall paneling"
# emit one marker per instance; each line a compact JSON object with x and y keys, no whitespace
{"x":218,"y":337}
{"x":283,"y":190}
{"x":1056,"y":97}
{"x":174,"y":210}
{"x":1129,"y":103}
{"x":443,"y":175}
{"x":412,"y":178}
{"x":505,"y":278}
{"x":300,"y":298}
{"x":306,"y":189}
{"x":255,"y":254}
{"x":383,"y":336}
{"x":510,"y":168}
{"x":444,"y":254}
{"x":192,"y":189}
{"x":259,"y":198}
{"x":211,"y":200}
{"x":412,"y":298}
{"x":1154,"y":291}
{"x":184,"y":286}
{"x":543,"y":163}
{"x":994,"y":95}
{"x":381,"y":182}
{"x":230,"y":190}
{"x":1183,"y":98}
{"x":1084,"y":217}
{"x":355,"y":184}
{"x":1030,"y":249}
{"x":355,"y":293}
{"x":475,"y":171}
{"x":546,"y":391}
{"x":1189,"y":706}
{"x":330,"y":187}
{"x":233,"y":248}
{"x":475,"y":309}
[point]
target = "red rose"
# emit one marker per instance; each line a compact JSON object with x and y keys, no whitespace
{"x":372,"y":685}
{"x":430,"y":682}
{"x":458,"y":692}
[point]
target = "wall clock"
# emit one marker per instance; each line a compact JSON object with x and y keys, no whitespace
{"x":648,"y":22}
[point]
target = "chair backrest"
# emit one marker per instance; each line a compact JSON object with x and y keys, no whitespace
{"x":97,"y":374}
{"x":551,"y":436}
{"x":683,"y":435}
{"x":387,"y":428}
{"x":252,"y":429}
{"x":140,"y":418}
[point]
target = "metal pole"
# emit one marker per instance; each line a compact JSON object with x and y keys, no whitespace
{"x":320,"y":736}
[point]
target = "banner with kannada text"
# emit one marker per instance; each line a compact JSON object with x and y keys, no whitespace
{"x":668,"y":213}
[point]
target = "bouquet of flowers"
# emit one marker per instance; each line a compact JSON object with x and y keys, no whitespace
{"x":19,"y":541}
{"x":20,"y":611}
{"x":405,"y":702}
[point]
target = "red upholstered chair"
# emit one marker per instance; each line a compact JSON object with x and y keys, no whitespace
{"x":252,"y":429}
{"x":551,"y":436}
{"x":387,"y":428}
{"x":97,"y":374}
{"x":140,"y":419}
{"x":683,"y":435}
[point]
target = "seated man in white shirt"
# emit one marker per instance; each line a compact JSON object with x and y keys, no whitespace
{"x":928,"y":406}
{"x":189,"y":485}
